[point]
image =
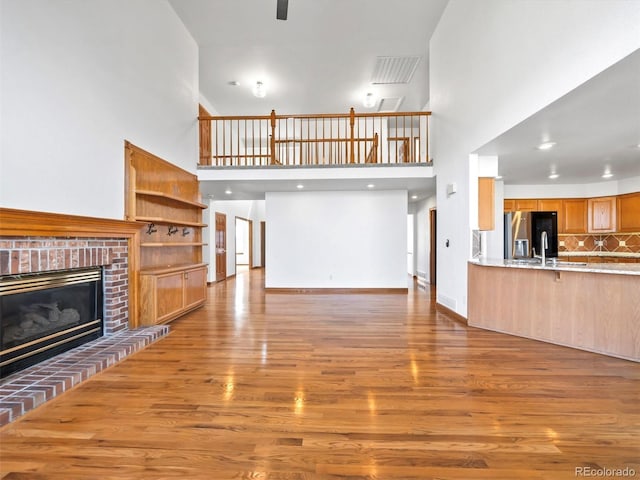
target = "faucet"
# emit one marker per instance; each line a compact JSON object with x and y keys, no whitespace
{"x":544,"y":244}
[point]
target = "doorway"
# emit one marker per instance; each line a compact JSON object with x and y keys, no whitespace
{"x":221,"y":246}
{"x":244,"y":244}
{"x":432,"y":243}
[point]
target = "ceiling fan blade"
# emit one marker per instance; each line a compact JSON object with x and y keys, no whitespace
{"x":281,"y":12}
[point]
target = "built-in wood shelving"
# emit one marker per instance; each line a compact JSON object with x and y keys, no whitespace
{"x":171,"y":221}
{"x":173,"y":279}
{"x":151,"y":193}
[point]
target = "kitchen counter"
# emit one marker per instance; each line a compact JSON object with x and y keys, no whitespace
{"x":613,"y":268}
{"x":594,"y":307}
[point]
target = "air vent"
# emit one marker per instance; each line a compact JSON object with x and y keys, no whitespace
{"x":394,"y":70}
{"x":390,"y":104}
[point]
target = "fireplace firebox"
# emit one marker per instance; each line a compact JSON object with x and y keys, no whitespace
{"x":45,"y":314}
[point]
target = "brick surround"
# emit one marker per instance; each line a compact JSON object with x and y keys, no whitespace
{"x":44,"y":254}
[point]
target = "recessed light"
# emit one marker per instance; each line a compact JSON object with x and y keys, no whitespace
{"x":553,"y":176}
{"x":300,"y":186}
{"x":607,"y":175}
{"x":546,"y":145}
{"x":234,"y":83}
{"x":414,"y":196}
{"x":228,"y":192}
{"x":371,"y":185}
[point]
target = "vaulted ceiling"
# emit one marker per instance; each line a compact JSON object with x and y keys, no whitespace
{"x":320,"y":60}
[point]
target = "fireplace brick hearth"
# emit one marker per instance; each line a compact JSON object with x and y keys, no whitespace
{"x":35,"y":242}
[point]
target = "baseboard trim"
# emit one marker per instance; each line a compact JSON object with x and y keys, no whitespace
{"x":334,"y":291}
{"x":450,"y":313}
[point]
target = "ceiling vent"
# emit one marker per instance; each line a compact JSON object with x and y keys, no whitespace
{"x":390,"y":104}
{"x":390,"y":70}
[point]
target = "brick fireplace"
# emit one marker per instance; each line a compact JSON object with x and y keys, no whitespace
{"x":23,"y":255}
{"x":37,"y":242}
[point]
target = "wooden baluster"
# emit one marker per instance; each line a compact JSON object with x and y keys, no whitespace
{"x":273,"y":138}
{"x":352,"y":120}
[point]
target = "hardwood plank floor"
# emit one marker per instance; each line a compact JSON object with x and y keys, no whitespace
{"x":306,"y":387}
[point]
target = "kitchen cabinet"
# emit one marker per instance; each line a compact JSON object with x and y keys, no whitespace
{"x":602,"y":214}
{"x":553,"y":205}
{"x":628,"y":213}
{"x":166,"y":200}
{"x":486,"y":203}
{"x":574,"y":214}
{"x":526,"y":205}
{"x":509,"y":205}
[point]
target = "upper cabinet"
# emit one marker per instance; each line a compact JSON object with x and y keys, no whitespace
{"x":574,"y":213}
{"x":526,"y":205}
{"x":602,"y":214}
{"x":587,"y":215}
{"x":553,"y":205}
{"x":628,"y":213}
{"x":486,"y":203}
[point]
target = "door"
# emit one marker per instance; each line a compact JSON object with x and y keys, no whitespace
{"x":433,"y":243}
{"x":221,"y":246}
{"x":263,"y":240}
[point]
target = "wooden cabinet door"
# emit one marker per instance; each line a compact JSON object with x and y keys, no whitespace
{"x":195,"y":287}
{"x":509,"y":205}
{"x":628,"y":212}
{"x":486,"y":203}
{"x":602,"y":214}
{"x":169,"y":295}
{"x":574,"y":212}
{"x":527,"y":205}
{"x":553,"y":205}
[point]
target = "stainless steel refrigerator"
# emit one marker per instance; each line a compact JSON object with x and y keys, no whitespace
{"x":522,"y":233}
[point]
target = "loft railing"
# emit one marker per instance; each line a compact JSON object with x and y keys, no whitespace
{"x":303,"y":140}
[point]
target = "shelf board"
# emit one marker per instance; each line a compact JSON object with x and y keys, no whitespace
{"x":170,"y":221}
{"x":153,"y":193}
{"x":172,"y":244}
{"x":171,"y":268}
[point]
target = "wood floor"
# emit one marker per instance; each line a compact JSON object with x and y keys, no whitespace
{"x":300,"y":387}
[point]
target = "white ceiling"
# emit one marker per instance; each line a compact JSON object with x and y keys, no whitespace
{"x":320,"y":60}
{"x":595,"y":126}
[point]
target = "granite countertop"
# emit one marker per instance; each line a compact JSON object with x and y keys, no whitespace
{"x":616,"y":268}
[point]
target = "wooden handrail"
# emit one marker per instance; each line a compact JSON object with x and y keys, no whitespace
{"x":323,"y":139}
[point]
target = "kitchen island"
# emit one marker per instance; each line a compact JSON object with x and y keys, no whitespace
{"x":594,"y":307}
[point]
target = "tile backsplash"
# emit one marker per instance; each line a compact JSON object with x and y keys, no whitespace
{"x":613,"y":242}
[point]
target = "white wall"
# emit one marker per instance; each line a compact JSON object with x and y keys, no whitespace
{"x":248,"y":209}
{"x":78,"y":78}
{"x":493,"y":64}
{"x":351,"y":239}
{"x":422,"y":235}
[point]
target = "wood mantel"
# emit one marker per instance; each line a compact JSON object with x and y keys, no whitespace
{"x":27,"y":223}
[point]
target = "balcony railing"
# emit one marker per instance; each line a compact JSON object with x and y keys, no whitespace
{"x":305,"y":140}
